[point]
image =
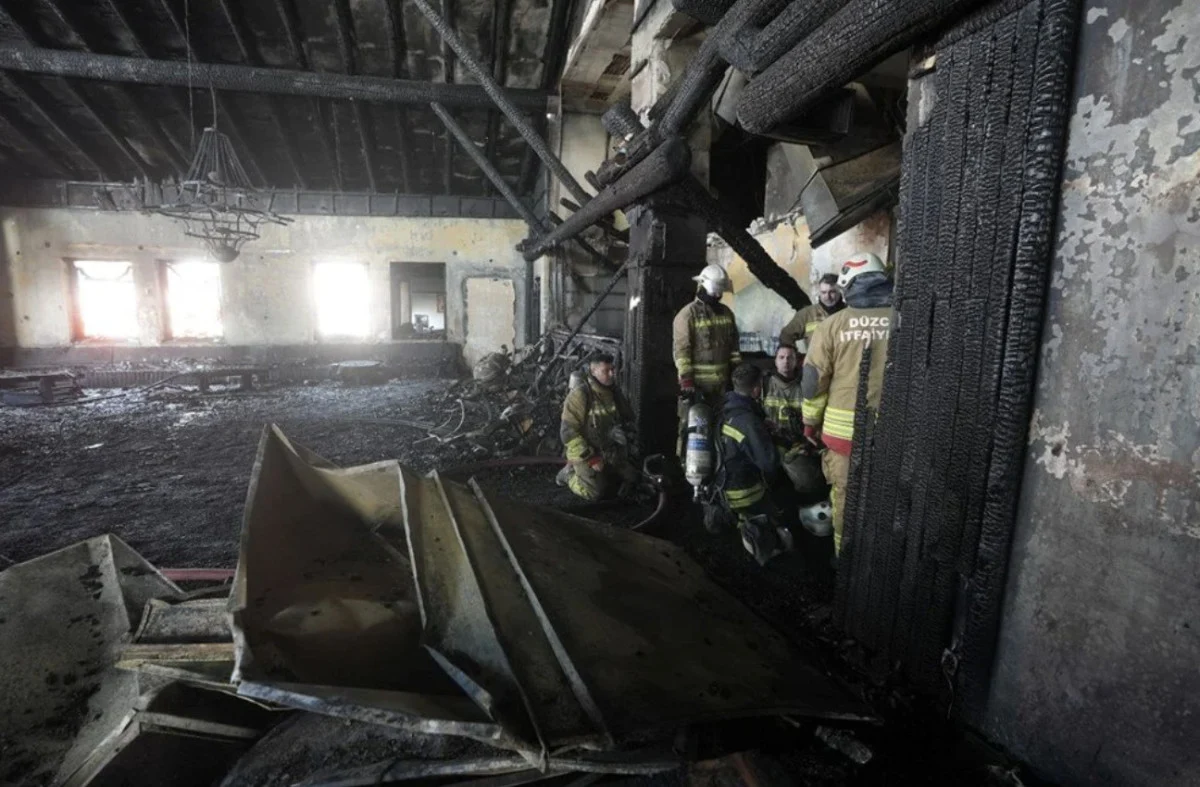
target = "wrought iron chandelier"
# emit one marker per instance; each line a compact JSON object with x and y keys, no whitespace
{"x":216,"y":201}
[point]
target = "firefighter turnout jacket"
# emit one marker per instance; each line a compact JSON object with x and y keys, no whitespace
{"x":748,"y":455}
{"x":589,"y":415}
{"x":803,"y":324}
{"x":836,"y":352}
{"x":705,"y":338}
{"x":784,"y":406}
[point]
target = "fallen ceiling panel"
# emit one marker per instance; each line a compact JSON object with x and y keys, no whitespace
{"x":553,"y":636}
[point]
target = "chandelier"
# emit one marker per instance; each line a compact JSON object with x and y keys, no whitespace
{"x":216,"y":202}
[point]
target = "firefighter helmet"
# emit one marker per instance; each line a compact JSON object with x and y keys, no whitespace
{"x":857,"y":265}
{"x":713,"y":279}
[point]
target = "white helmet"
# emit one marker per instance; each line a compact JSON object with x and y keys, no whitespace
{"x":857,"y":265}
{"x":713,"y":279}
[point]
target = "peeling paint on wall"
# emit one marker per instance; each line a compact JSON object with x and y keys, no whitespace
{"x":1096,"y":678}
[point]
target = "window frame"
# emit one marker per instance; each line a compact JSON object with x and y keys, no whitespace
{"x":75,"y":305}
{"x":164,"y":288}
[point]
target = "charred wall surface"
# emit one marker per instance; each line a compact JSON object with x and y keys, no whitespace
{"x":1096,"y":679}
{"x":934,"y":480}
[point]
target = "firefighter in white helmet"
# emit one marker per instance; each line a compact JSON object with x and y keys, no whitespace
{"x":705,"y":344}
{"x":829,"y":382}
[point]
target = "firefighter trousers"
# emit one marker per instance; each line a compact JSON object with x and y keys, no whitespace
{"x":837,"y":473}
{"x":597,"y":485}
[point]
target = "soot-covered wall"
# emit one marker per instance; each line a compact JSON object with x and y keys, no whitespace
{"x":1097,"y":677}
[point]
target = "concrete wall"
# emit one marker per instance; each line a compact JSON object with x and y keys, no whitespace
{"x":1097,"y":678}
{"x":760,"y":310}
{"x":267,"y":296}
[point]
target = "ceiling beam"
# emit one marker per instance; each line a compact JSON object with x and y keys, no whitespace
{"x":396,"y":45}
{"x":113,"y":134}
{"x":250,"y":79}
{"x":19,"y":132}
{"x":14,"y":87}
{"x":70,"y":21}
{"x":250,"y":55}
{"x":344,"y":22}
{"x":448,"y":78}
{"x":500,"y":22}
{"x":236,"y":133}
{"x":321,"y":106}
{"x":552,"y":61}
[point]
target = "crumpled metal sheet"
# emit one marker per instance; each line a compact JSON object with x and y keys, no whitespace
{"x":567,"y":636}
{"x":323,"y":608}
{"x":63,"y":619}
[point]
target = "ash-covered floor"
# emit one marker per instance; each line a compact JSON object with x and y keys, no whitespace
{"x":168,"y":474}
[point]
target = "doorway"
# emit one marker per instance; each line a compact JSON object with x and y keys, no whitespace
{"x":418,"y":300}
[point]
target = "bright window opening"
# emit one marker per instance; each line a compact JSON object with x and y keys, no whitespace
{"x":194,"y":300}
{"x":342,"y":299}
{"x":105,"y":299}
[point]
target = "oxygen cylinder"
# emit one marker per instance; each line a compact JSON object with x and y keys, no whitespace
{"x":578,"y":378}
{"x":698,"y":456}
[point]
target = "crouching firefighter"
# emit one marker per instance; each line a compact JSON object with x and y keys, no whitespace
{"x":749,"y":465}
{"x":830,"y":379}
{"x":596,"y":432}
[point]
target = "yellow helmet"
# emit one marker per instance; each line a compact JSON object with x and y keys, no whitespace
{"x":857,"y":265}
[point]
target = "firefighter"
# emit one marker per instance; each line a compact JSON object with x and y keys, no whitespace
{"x":830,"y":378}
{"x":705,"y":339}
{"x":798,"y":332}
{"x":596,"y":432}
{"x":750,"y":465}
{"x":783,"y":403}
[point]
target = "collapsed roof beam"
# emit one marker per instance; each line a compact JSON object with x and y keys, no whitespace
{"x":251,"y":79}
{"x":500,"y":96}
{"x":249,"y":52}
{"x":236,"y":134}
{"x":321,"y":109}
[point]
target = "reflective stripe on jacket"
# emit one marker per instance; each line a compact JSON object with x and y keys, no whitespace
{"x":836,"y":352}
{"x":750,"y":459}
{"x":705,"y":345}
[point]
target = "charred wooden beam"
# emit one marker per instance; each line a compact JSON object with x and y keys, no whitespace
{"x":14,"y":87}
{"x":249,"y":52}
{"x":396,"y":43}
{"x":321,"y":109}
{"x":500,"y":22}
{"x":253,"y":79}
{"x":500,"y":97}
{"x":448,"y":78}
{"x":344,"y":22}
{"x":32,"y":140}
{"x":90,"y":106}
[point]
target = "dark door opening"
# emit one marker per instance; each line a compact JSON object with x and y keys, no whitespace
{"x":418,"y":300}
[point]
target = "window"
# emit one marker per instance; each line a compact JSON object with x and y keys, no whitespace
{"x":194,"y":300}
{"x":105,"y":300}
{"x":342,"y":299}
{"x":418,"y":299}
